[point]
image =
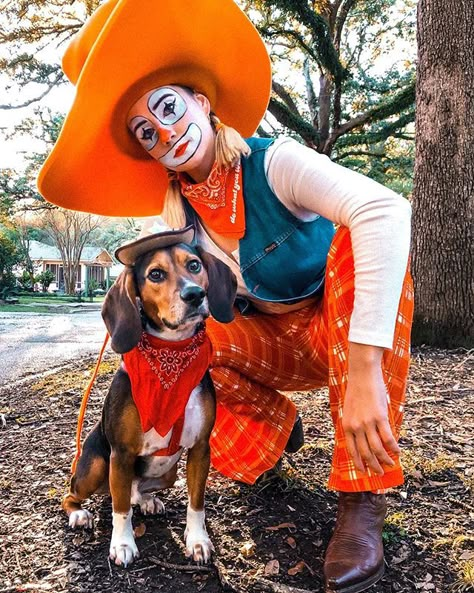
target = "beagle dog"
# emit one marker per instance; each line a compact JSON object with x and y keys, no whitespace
{"x":155,"y":315}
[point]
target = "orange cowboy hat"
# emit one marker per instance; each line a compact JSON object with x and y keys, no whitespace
{"x":124,"y":49}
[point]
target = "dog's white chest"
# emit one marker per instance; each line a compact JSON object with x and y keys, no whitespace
{"x":193,"y":425}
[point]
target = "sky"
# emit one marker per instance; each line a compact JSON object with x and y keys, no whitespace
{"x":12,"y":151}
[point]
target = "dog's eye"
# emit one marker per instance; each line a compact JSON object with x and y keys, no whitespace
{"x":194,"y":266}
{"x":157,"y":275}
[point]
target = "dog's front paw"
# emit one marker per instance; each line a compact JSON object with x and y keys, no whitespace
{"x":81,"y":518}
{"x":123,"y":551}
{"x":151,"y":505}
{"x":198,"y":546}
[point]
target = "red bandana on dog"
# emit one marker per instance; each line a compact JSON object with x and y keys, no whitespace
{"x":219,"y":200}
{"x":163,"y":375}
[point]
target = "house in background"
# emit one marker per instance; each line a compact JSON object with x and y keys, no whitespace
{"x":95,"y":263}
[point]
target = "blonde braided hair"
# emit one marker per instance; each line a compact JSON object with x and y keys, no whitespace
{"x":230,"y":147}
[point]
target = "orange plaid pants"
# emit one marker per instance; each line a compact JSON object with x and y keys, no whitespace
{"x":258,"y":355}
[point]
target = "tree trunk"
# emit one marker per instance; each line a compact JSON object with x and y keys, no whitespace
{"x":444,"y":175}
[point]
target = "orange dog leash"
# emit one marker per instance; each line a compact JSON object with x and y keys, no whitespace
{"x":82,"y":409}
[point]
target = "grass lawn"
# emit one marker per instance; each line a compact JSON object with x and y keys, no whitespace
{"x":46,"y":303}
{"x":48,"y":298}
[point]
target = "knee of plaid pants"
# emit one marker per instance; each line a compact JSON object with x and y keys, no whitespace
{"x":253,"y":424}
{"x":253,"y":358}
{"x":339,"y":299}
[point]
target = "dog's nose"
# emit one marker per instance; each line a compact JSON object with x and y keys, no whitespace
{"x":193,"y":295}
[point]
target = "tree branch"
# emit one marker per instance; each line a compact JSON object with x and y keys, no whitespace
{"x":263,"y":133}
{"x":320,"y":33}
{"x":358,"y":153}
{"x":285,"y":97}
{"x":397,"y":103}
{"x":36,"y":33}
{"x":342,"y":14}
{"x":383,"y":134}
{"x":267,"y":33}
{"x":35,"y":99}
{"x":311,"y":95}
{"x":333,"y":15}
{"x":325,"y":89}
{"x":294,"y":122}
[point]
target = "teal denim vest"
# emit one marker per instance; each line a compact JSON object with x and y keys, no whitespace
{"x":282,"y":258}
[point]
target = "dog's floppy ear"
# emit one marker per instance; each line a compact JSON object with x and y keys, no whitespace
{"x":121,"y":314}
{"x":222,"y":286}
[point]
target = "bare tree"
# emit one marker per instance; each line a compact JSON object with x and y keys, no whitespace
{"x":444,"y":174}
{"x":70,"y":231}
{"x":21,"y":225}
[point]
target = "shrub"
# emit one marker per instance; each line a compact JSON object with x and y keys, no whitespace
{"x":45,"y":279}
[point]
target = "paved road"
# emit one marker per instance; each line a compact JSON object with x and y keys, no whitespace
{"x":32,"y":343}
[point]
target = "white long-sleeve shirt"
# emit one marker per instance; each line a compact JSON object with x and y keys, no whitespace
{"x":310,"y":184}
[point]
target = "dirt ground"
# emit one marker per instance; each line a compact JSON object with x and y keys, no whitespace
{"x":268,"y":537}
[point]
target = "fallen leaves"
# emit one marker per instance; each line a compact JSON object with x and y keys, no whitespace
{"x":402,"y":554}
{"x":432,"y":533}
{"x":299,"y":567}
{"x":281,"y":526}
{"x":272,"y":568}
{"x":427,"y":584}
{"x":248,"y":549}
{"x":139,"y":530}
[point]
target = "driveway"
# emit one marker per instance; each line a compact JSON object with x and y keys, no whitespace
{"x":32,"y":343}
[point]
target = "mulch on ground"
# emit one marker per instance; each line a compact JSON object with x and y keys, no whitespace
{"x":268,"y":537}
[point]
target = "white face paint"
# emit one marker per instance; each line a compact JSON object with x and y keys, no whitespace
{"x":167,"y":105}
{"x":183,"y":149}
{"x":173,"y":127}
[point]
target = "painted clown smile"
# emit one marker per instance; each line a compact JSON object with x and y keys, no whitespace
{"x":183,"y":149}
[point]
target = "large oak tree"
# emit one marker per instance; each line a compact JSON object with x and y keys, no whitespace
{"x":443,"y":262}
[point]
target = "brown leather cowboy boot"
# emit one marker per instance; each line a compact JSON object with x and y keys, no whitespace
{"x":354,"y":558}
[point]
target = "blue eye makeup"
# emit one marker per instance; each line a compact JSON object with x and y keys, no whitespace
{"x":144,"y":131}
{"x":167,"y":105}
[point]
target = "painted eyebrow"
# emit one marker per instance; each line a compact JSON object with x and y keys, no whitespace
{"x":139,"y":125}
{"x":162,"y":98}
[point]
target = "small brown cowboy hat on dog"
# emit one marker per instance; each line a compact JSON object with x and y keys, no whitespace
{"x":155,"y":237}
{"x":126,"y":48}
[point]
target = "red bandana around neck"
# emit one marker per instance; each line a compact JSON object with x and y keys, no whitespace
{"x":163,"y":375}
{"x":219,"y":200}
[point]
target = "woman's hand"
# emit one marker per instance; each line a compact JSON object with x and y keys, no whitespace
{"x":365,"y":413}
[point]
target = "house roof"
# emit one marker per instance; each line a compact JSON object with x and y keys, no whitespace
{"x":90,"y":254}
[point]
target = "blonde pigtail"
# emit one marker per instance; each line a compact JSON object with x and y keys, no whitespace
{"x":173,"y":209}
{"x":230,"y":146}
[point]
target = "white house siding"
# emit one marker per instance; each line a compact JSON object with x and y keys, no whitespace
{"x":47,"y":257}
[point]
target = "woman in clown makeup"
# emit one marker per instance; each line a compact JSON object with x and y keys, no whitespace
{"x":162,"y":124}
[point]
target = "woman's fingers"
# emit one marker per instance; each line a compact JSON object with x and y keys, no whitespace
{"x":353,"y":452}
{"x":367,"y":452}
{"x":388,"y":439}
{"x":368,"y":447}
{"x":376,"y":443}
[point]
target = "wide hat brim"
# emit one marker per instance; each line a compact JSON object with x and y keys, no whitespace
{"x":131,"y":47}
{"x":128,"y":253}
